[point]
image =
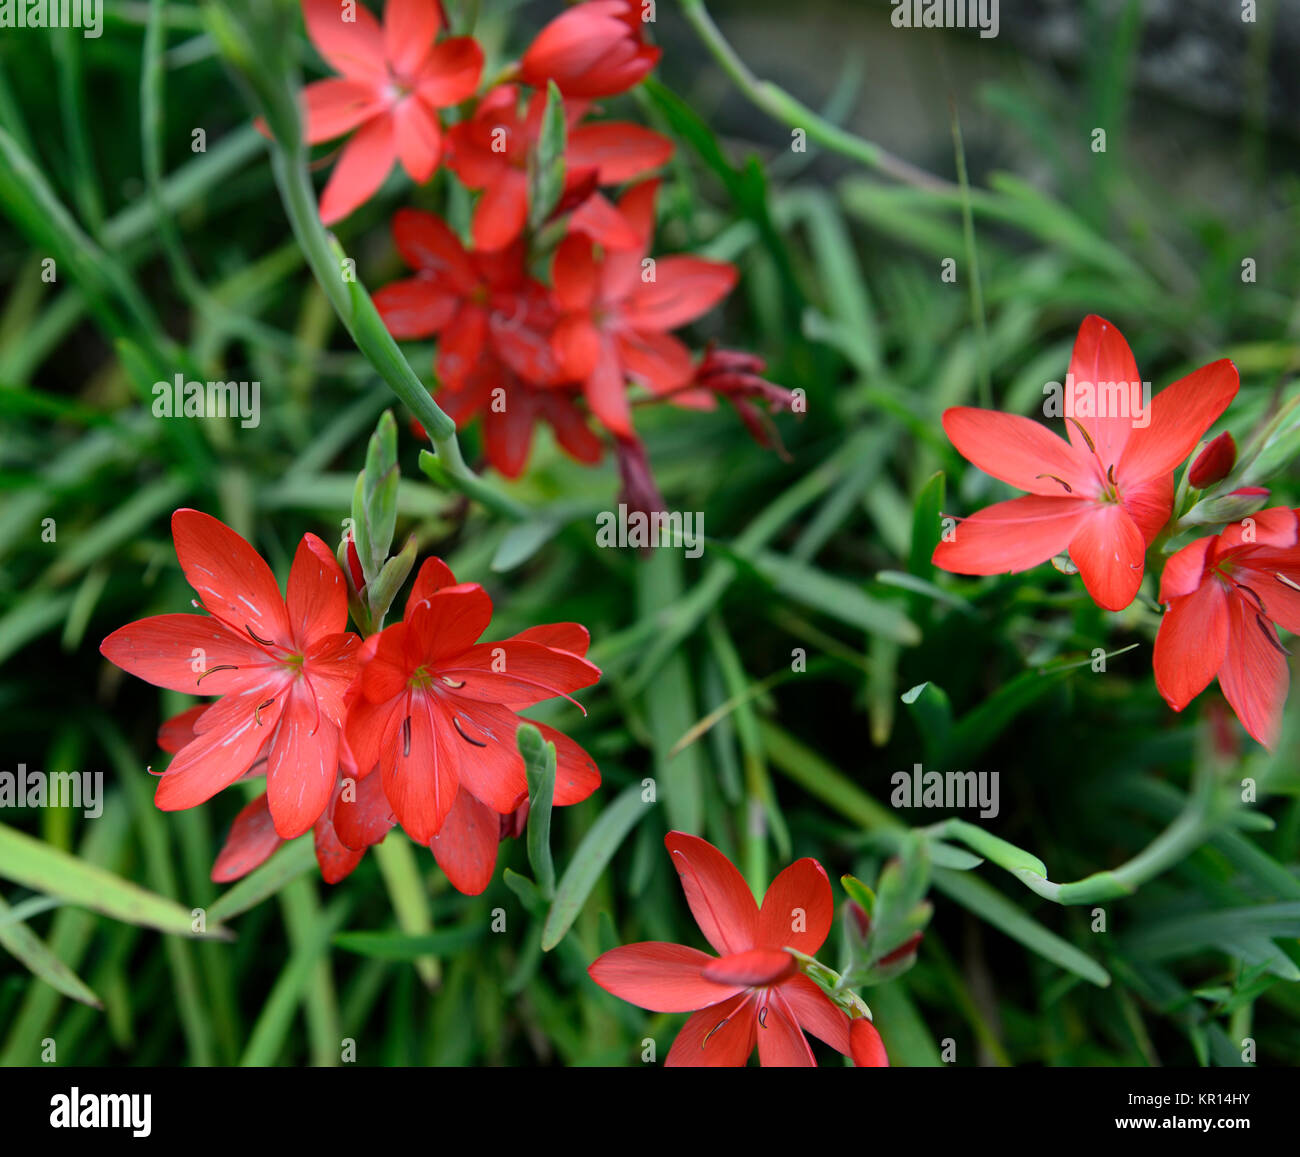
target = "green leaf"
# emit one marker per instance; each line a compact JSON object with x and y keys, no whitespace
{"x":933,"y":714}
{"x":522,"y":541}
{"x":287,"y":864}
{"x":836,"y":597}
{"x":546,"y":172}
{"x":403,"y":946}
{"x":595,"y":851}
{"x":31,"y":951}
{"x":991,"y":847}
{"x":539,"y":766}
{"x":995,"y":909}
{"x":43,"y":868}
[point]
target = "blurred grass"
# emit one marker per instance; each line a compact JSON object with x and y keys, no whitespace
{"x":169,"y":261}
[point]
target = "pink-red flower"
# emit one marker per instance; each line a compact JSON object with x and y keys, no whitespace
{"x":594,"y":49}
{"x":393,"y":80}
{"x":282,"y":667}
{"x":1106,"y":493}
{"x":1225,"y":593}
{"x":436,"y":712}
{"x":751,"y":992}
{"x":619,"y":309}
{"x":492,"y":151}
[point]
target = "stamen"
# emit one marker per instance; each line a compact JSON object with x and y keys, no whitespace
{"x":713,"y":1030}
{"x":1068,"y":488}
{"x":406,"y":736}
{"x":452,"y":683}
{"x":214,"y":670}
{"x":1078,"y":426}
{"x":1270,"y":636}
{"x":264,"y":642}
{"x":1110,"y":474}
{"x":257,"y":715}
{"x":762,"y":1017}
{"x":1254,"y":595}
{"x":1286,"y":582}
{"x":455,"y":721}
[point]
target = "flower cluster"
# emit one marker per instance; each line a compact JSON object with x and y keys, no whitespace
{"x":415,"y":725}
{"x":753,"y":992}
{"x":517,"y":346}
{"x":1107,"y":498}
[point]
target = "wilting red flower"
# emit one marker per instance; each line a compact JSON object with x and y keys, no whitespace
{"x":1225,"y":592}
{"x":393,"y":80}
{"x":738,"y":377}
{"x":1105,"y":494}
{"x":865,"y":1046}
{"x":752,"y":991}
{"x":494,"y":353}
{"x":1214,"y":463}
{"x":491,"y":152}
{"x":619,"y":309}
{"x":594,"y":49}
{"x":639,"y":491}
{"x":281,"y":666}
{"x":436,"y":711}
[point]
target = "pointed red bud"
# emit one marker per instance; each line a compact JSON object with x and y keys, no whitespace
{"x":865,"y":1046}
{"x":1214,"y":463}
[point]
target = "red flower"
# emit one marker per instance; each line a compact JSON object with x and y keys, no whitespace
{"x":1225,"y":593}
{"x":738,"y":377}
{"x":594,"y":49}
{"x":436,"y":711}
{"x":619,"y":310}
{"x":281,"y":665}
{"x":393,"y":81}
{"x":865,"y":1045}
{"x":491,"y":152}
{"x":752,"y":991}
{"x":494,"y":352}
{"x":1105,"y":494}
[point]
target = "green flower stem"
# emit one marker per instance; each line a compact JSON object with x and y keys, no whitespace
{"x":1205,"y":813}
{"x":271,"y":79}
{"x":781,"y":106}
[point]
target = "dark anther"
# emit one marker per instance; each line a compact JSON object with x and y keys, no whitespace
{"x":214,"y":670}
{"x":455,"y":720}
{"x":762,"y":1016}
{"x":1068,"y":488}
{"x":713,"y":1030}
{"x":264,"y":642}
{"x":1110,"y":474}
{"x":1265,"y":626}
{"x":1254,"y":596}
{"x":1084,"y":432}
{"x":257,"y":715}
{"x":406,"y":736}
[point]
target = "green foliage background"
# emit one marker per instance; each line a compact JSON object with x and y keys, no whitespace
{"x":829,"y":553}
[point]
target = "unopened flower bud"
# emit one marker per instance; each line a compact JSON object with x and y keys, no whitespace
{"x":1214,"y":463}
{"x":865,"y":1045}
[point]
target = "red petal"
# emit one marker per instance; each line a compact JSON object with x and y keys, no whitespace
{"x":576,"y":773}
{"x":488,"y":758}
{"x":518,"y":673}
{"x":718,"y":896}
{"x":781,"y":1043}
{"x":571,"y":637}
{"x":721,"y":1036}
{"x":1254,"y":676}
{"x":362,"y":813}
{"x":335,"y":858}
{"x":451,"y":72}
{"x":755,"y":968}
{"x":414,"y":308}
{"x":302,"y":765}
{"x":683,"y":289}
{"x":410,"y":28}
{"x":1110,"y":553}
{"x":867,"y":1048}
{"x":618,"y":150}
{"x":333,"y":107}
{"x":1191,"y":644}
{"x":251,"y":842}
{"x":1101,"y":356}
{"x":352,"y":47}
{"x":177,"y":731}
{"x":174,"y":651}
{"x":433,"y":575}
{"x":466,"y":847}
{"x":1180,"y":415}
{"x":816,"y":1013}
{"x":508,"y":433}
{"x":1019,"y":451}
{"x":606,"y":393}
{"x":419,"y":138}
{"x":1011,"y":536}
{"x":221,"y":754}
{"x":427,"y":244}
{"x":1185,"y":570}
{"x":657,"y":360}
{"x":797,"y":909}
{"x":420,"y":769}
{"x":502,"y":211}
{"x":229,"y":575}
{"x":448,"y":621}
{"x":660,"y":977}
{"x":362,"y":167}
{"x":316,"y":597}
